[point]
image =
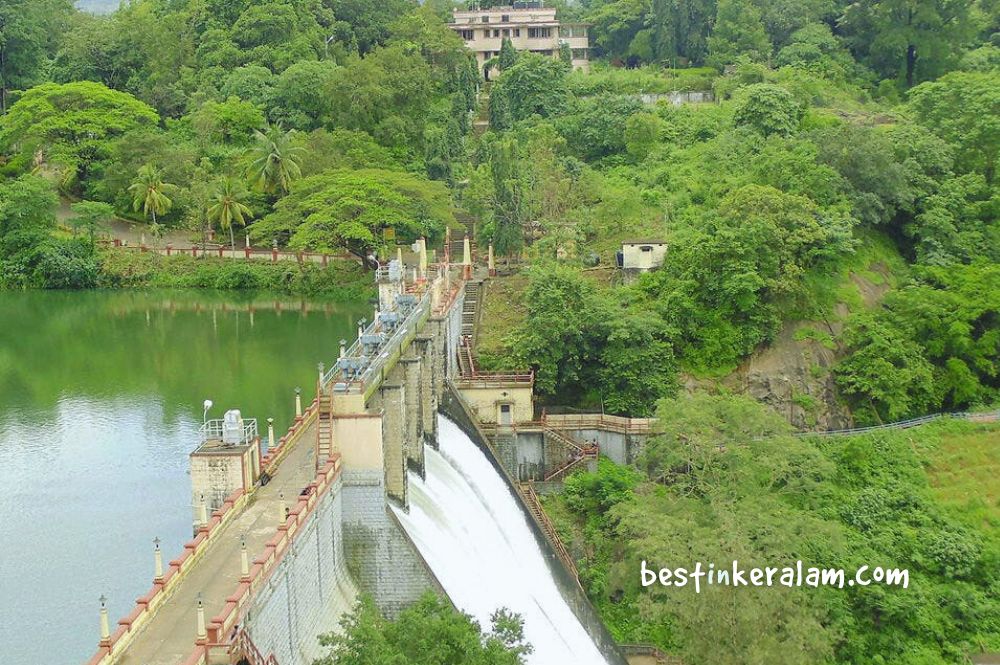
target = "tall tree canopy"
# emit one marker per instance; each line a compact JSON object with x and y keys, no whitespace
{"x":350,"y":209}
{"x":71,"y":124}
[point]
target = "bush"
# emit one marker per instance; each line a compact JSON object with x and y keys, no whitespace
{"x":341,"y":280}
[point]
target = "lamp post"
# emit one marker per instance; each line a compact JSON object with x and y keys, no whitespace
{"x":157,"y":561}
{"x":105,"y":625}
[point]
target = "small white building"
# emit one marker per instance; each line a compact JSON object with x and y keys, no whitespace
{"x":642,"y":255}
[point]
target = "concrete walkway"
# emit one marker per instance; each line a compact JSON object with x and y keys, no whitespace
{"x":169,"y":638}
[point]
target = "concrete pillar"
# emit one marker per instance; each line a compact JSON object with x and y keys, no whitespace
{"x":424,"y":346}
{"x":298,"y":402}
{"x":393,"y":440}
{"x":413,"y":426}
{"x":399,"y":256}
{"x":244,"y":560}
{"x":157,"y":561}
{"x":423,"y":258}
{"x":466,"y":258}
{"x":322,"y":370}
{"x":270,"y":434}
{"x":202,"y":511}
{"x":105,"y":624}
{"x":343,"y":349}
{"x":202,"y":632}
{"x":491,"y":262}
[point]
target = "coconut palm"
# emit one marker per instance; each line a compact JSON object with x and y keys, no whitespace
{"x":229,"y":207}
{"x":275,"y":162}
{"x":149,"y":193}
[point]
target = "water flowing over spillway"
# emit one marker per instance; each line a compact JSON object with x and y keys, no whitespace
{"x":477,"y":541}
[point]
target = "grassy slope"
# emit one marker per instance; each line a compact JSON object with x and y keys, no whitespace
{"x":503,"y":311}
{"x":964,"y":472}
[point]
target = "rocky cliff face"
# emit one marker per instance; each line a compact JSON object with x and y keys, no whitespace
{"x":794,"y":373}
{"x":794,"y":376}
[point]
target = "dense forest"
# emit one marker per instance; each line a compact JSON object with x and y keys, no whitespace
{"x":838,"y":196}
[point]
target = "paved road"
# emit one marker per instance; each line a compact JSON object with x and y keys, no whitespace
{"x":169,"y":638}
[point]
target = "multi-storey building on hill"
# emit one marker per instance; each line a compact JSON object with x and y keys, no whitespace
{"x":528,"y":25}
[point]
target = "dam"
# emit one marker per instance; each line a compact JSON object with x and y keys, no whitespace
{"x":371,"y":491}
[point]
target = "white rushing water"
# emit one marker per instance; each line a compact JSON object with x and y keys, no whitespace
{"x":473,"y":535}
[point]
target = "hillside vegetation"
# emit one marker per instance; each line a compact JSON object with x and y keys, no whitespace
{"x":726,"y":481}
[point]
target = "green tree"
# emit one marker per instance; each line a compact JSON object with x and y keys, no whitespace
{"x":229,"y":207}
{"x":28,"y":37}
{"x":877,"y":182}
{"x":680,"y":29}
{"x":597,"y":128}
{"x":429,"y":631}
{"x":150,"y":193}
{"x":962,"y":108}
{"x":70,"y":124}
{"x":768,"y":109}
{"x":565,"y":54}
{"x":275,"y":160}
{"x":738,"y":32}
{"x":642,"y":134}
{"x":533,"y":85}
{"x":349,"y":209}
{"x":91,"y":217}
{"x":27,"y":213}
{"x":508,"y":55}
{"x":386,"y":93}
{"x":231,"y":121}
{"x":911,"y":39}
{"x":508,"y":201}
{"x":301,"y":95}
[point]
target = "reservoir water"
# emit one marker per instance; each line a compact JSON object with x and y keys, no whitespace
{"x":100,"y":403}
{"x":469,"y":528}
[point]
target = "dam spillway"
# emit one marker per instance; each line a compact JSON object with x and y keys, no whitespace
{"x":472,"y":533}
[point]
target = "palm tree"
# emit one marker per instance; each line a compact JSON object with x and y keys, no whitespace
{"x":229,"y":207}
{"x":275,"y":161}
{"x":149,"y":192}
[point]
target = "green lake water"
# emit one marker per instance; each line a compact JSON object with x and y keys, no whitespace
{"x":100,"y":404}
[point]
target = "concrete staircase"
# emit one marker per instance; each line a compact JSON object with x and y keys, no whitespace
{"x":324,"y":431}
{"x":469,"y":309}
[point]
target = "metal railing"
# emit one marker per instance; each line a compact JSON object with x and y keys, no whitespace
{"x":362,"y":362}
{"x":975,"y":416}
{"x":214,"y":430}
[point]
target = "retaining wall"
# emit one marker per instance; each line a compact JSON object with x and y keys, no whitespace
{"x":308,"y":592}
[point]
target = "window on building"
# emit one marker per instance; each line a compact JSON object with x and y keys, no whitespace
{"x":506,"y":32}
{"x":517,"y":32}
{"x":496,"y":33}
{"x":579,"y":54}
{"x":468,"y":35}
{"x":485,"y":19}
{"x":539,"y":33}
{"x":486,"y":34}
{"x":505,"y":18}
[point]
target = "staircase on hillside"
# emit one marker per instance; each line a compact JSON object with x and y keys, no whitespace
{"x":543,"y":521}
{"x":579,"y":453}
{"x":466,"y":361}
{"x":469,"y":309}
{"x":324,"y":431}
